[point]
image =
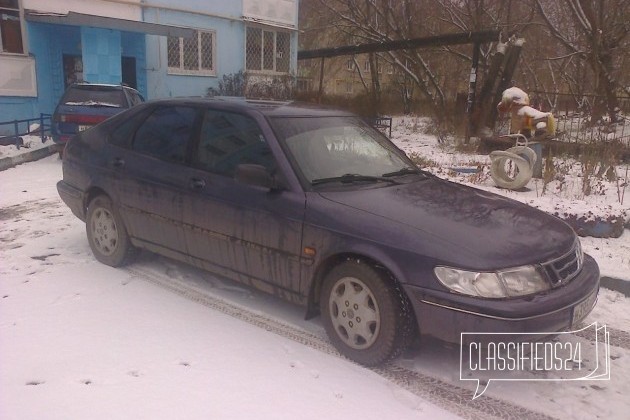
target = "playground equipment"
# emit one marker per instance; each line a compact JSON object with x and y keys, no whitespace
{"x":513,"y":168}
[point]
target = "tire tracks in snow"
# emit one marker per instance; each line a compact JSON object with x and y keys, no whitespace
{"x":450,"y":397}
{"x":618,"y":338}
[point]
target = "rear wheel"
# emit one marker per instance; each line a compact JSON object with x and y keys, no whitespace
{"x":366,"y":315}
{"x":106,"y":233}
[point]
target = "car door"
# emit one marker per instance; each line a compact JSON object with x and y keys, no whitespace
{"x":249,"y":233}
{"x":151,"y":176}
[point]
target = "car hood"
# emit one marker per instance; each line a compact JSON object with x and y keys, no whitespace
{"x":472,"y":228}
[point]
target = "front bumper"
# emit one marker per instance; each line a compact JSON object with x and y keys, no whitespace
{"x":73,"y":197}
{"x":446,"y":315}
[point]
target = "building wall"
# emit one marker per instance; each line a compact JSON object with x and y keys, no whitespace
{"x":130,"y":11}
{"x":229,"y":44}
{"x":101,"y":53}
{"x":134,"y":45}
{"x":226,"y":20}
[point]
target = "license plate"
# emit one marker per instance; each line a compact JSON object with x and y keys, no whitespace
{"x":583,"y":308}
{"x":84,"y":127}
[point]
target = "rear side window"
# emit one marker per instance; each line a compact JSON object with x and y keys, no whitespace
{"x":165,"y":133}
{"x":123,"y":133}
{"x":134,"y":97}
{"x":105,"y":96}
{"x":227,"y":140}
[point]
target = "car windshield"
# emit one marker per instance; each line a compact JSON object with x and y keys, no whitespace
{"x":340,"y":149}
{"x":106,"y":96}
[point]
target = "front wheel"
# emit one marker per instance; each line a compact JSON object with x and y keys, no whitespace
{"x":366,"y":315}
{"x":106,"y":233}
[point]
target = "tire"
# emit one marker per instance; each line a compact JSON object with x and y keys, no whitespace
{"x":107,"y":234}
{"x":499,"y":174}
{"x":366,"y":315}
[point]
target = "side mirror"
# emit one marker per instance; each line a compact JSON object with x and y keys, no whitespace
{"x":255,"y":175}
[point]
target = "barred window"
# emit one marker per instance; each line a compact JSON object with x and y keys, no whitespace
{"x":10,"y":27}
{"x":194,"y":55}
{"x":267,"y":50}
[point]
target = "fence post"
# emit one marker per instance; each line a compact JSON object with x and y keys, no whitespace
{"x":41,"y":127}
{"x":17,"y":137}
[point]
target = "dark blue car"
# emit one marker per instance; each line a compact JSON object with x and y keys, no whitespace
{"x":318,"y":208}
{"x":84,"y":105}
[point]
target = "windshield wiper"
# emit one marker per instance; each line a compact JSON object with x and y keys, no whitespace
{"x":350,"y":178}
{"x":404,"y":171}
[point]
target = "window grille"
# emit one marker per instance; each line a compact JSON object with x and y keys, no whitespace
{"x":267,"y":50}
{"x":194,"y":55}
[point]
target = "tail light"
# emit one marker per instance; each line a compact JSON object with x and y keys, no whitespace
{"x":81,"y":119}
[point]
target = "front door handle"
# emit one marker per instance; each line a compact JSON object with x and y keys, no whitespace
{"x":118,"y":163}
{"x":197,"y":184}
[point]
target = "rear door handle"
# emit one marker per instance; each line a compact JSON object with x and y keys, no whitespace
{"x":118,"y":163}
{"x":197,"y":184}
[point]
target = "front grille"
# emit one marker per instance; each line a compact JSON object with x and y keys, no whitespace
{"x":564,"y":269}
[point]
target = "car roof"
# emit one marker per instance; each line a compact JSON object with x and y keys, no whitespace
{"x":108,"y":85}
{"x":267,"y":108}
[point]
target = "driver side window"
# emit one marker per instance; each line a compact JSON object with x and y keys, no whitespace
{"x":229,"y":139}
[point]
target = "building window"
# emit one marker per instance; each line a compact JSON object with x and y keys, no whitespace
{"x":350,"y":65}
{"x":267,"y":50}
{"x":10,"y":27}
{"x":194,"y":55}
{"x":366,"y":66}
{"x":348,"y":86}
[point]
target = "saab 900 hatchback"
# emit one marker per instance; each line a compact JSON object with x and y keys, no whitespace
{"x":317,"y":207}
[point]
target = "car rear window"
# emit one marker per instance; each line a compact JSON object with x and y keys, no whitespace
{"x":95,"y":96}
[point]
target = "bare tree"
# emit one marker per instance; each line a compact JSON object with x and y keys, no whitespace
{"x":365,"y":21}
{"x":595,"y":31}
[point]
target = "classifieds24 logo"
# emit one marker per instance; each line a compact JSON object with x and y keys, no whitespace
{"x":487,"y":357}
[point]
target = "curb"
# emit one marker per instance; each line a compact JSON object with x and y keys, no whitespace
{"x":11,"y":162}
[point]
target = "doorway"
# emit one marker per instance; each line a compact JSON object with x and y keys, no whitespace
{"x":129,"y":72}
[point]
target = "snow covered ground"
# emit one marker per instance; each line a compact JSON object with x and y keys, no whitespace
{"x":30,"y":143}
{"x":160,"y":339}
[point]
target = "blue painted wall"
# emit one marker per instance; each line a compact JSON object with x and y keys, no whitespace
{"x":230,"y":46}
{"x":134,"y":45}
{"x":47,"y":44}
{"x":230,"y":53}
{"x":101,"y":51}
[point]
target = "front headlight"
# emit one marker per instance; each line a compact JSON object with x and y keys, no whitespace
{"x":511,"y":282}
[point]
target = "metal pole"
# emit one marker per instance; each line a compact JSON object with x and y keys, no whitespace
{"x":17,"y":137}
{"x":472,"y":87}
{"x":41,"y":127}
{"x":321,"y":81}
